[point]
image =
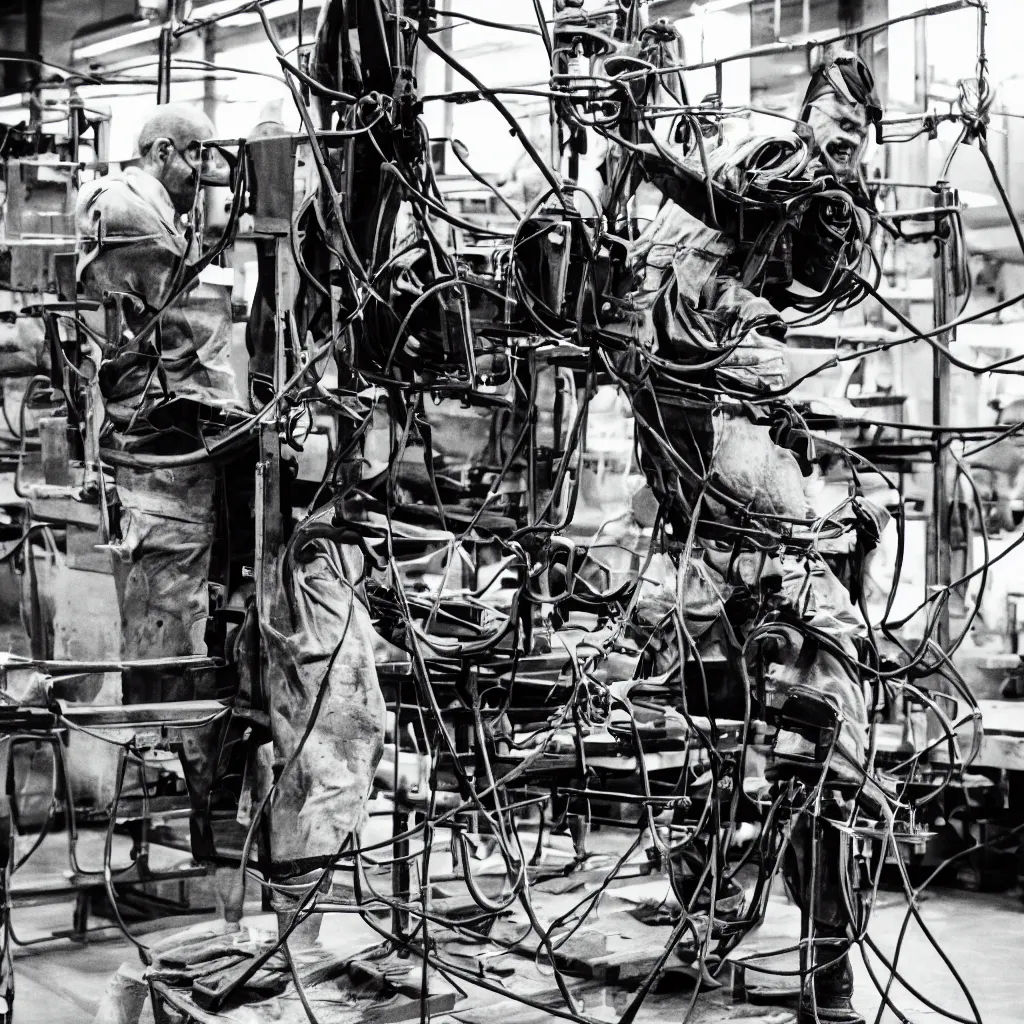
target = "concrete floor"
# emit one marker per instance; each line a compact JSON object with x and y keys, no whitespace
{"x":983,"y":935}
{"x":62,"y":983}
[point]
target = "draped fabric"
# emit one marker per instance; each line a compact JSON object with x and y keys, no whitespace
{"x":691,"y":306}
{"x":161,"y":568}
{"x":326,"y":708}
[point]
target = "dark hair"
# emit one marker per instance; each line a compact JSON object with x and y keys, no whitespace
{"x":847,"y":76}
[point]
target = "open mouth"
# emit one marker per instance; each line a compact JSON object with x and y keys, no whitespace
{"x":841,"y":153}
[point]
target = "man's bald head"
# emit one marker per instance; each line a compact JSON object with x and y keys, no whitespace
{"x":171,"y":147}
{"x":180,"y":123}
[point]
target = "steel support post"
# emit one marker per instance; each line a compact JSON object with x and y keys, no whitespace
{"x":938,"y":574}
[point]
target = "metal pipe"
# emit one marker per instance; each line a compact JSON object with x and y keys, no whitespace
{"x":943,"y":299}
{"x":163,"y":74}
{"x":33,"y":14}
{"x":73,"y":668}
{"x":164,"y":713}
{"x":804,"y":45}
{"x":209,"y":37}
{"x":447,"y":41}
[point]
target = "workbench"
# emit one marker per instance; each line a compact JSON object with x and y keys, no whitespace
{"x":1003,"y":743}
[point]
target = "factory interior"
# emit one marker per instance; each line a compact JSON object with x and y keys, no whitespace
{"x":511,"y":510}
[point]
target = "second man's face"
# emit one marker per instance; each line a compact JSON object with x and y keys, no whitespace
{"x":840,"y":132}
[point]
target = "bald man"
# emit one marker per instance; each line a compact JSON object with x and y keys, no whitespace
{"x":134,"y":250}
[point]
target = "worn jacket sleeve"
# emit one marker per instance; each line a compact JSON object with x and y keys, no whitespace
{"x":126,"y":246}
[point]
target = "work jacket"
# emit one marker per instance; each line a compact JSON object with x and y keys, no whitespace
{"x":131,"y":246}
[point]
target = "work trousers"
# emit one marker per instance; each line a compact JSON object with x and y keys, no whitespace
{"x":679,"y":445}
{"x":161,"y":571}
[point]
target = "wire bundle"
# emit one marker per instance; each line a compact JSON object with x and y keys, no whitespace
{"x":488,"y":735}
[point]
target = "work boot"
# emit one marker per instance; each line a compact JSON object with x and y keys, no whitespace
{"x":729,"y":898}
{"x":833,"y":992}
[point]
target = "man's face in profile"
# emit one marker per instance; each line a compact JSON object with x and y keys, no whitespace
{"x":840,"y":132}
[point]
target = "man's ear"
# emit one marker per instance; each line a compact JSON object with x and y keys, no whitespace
{"x":162,"y":150}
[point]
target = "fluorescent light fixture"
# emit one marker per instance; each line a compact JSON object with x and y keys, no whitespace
{"x":136,"y":34}
{"x":278,"y":9}
{"x":715,"y":6}
{"x":141,"y":32}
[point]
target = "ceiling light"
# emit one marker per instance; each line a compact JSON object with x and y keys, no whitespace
{"x":714,"y":6}
{"x":139,"y":32}
{"x":276,"y":9}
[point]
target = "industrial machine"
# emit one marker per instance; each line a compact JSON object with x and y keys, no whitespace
{"x":428,"y":583}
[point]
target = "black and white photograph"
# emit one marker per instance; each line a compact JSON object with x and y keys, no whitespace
{"x":511,"y":512}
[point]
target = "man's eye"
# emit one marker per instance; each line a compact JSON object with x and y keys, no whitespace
{"x":849,"y":126}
